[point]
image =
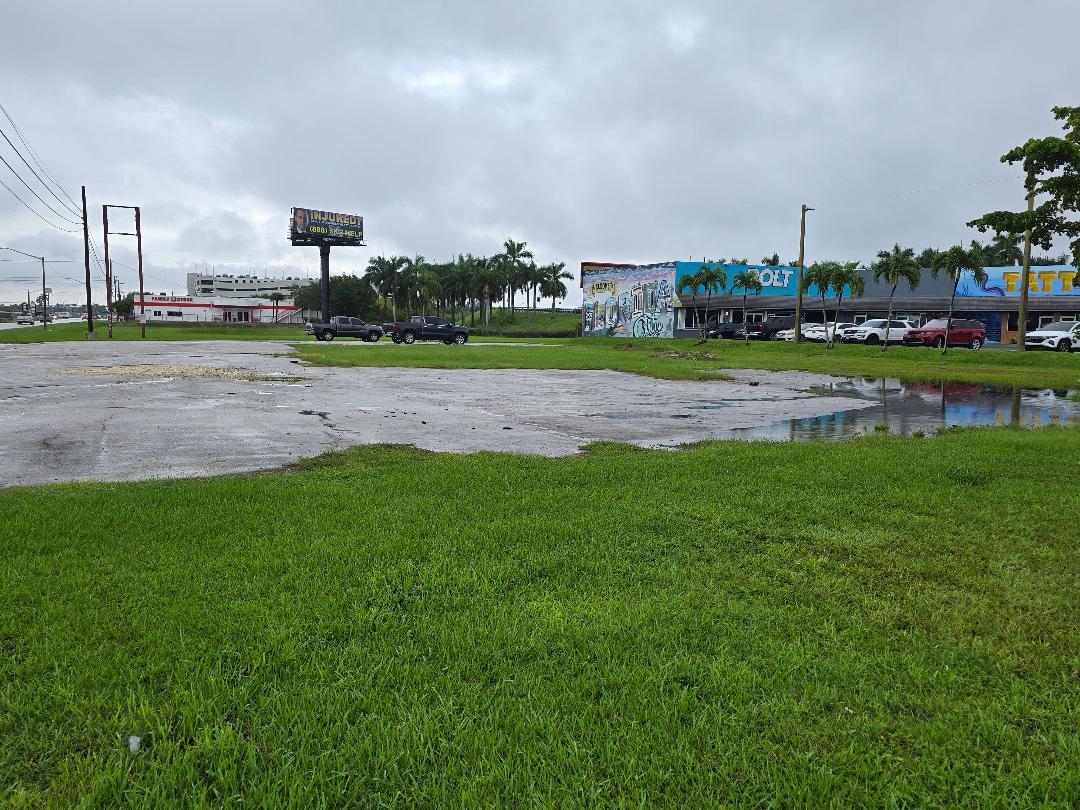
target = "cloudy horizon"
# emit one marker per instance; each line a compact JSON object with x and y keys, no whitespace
{"x":619,"y":132}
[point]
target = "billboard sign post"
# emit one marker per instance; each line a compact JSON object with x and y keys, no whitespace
{"x":310,"y":227}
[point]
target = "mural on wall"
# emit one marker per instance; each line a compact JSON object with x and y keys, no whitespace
{"x":629,"y":302}
{"x":1058,"y":279}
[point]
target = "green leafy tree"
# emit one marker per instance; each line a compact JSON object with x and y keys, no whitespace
{"x":892,"y":267}
{"x":746,"y":280}
{"x":124,"y":307}
{"x":1051,"y":169}
{"x":771,"y":261}
{"x":382,"y":274}
{"x":349,"y":295}
{"x":953,"y":263}
{"x":712,"y":279}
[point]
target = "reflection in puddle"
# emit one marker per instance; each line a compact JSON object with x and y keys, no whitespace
{"x":908,"y":407}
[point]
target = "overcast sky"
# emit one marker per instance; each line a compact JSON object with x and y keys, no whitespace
{"x":621,"y":131}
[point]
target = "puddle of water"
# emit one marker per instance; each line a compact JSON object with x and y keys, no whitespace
{"x":908,"y":407}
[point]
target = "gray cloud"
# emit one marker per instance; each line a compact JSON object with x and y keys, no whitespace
{"x":634,"y":132}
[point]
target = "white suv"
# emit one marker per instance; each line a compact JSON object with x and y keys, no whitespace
{"x":1061,"y":336}
{"x":873,"y":332}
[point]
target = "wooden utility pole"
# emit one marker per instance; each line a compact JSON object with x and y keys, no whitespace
{"x":44,"y":299}
{"x":86,"y":261}
{"x":802,"y":259}
{"x":1025,"y":274}
{"x":142,"y":294}
{"x":108,"y":267}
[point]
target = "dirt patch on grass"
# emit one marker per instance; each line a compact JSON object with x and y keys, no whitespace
{"x":173,"y":371}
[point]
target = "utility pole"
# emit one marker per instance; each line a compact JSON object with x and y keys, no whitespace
{"x":86,"y":261}
{"x":802,"y":260}
{"x":142,"y":296}
{"x":44,"y":299}
{"x":108,"y":266}
{"x":1025,"y":274}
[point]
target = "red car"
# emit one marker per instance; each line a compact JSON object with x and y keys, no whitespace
{"x":963,"y":333}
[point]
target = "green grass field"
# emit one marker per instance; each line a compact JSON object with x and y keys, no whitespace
{"x":881,"y":622}
{"x":129,"y":330}
{"x":686,"y":360}
{"x":538,"y":323}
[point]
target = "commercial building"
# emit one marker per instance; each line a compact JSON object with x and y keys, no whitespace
{"x":655,"y":300}
{"x":217,"y":309}
{"x":224,"y":286}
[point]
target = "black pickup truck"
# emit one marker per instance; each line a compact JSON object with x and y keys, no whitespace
{"x":427,"y":327}
{"x":340,"y":326}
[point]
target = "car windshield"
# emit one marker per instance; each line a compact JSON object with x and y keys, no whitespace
{"x":1058,"y":326}
{"x":941,"y":323}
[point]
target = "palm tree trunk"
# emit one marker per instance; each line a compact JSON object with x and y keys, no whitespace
{"x":948,"y":324}
{"x":836,"y":316}
{"x":888,"y":321}
{"x":745,"y":325}
{"x":825,"y":322}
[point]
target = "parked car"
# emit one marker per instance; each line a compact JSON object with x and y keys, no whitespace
{"x":877,"y":331}
{"x":963,"y":333}
{"x":342,"y":326}
{"x":1060,"y":336}
{"x":767,"y":329}
{"x":25,"y":320}
{"x":816,"y":332}
{"x":789,"y":334}
{"x":427,"y":327}
{"x":713,"y":329}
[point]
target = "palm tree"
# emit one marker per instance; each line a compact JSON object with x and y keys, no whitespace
{"x":820,"y":275}
{"x":847,"y":276}
{"x":410,"y":279}
{"x":713,"y":279}
{"x":691,"y":282}
{"x":746,"y":280}
{"x":1005,"y":249}
{"x":277,"y":298}
{"x":953,"y":262}
{"x":515,"y":254}
{"x":552,"y":286}
{"x":892,"y":267}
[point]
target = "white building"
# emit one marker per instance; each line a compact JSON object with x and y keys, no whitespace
{"x":217,"y":309}
{"x":204,"y":284}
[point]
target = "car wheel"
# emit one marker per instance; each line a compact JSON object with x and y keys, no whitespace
{"x":939,"y":342}
{"x":408,"y":338}
{"x":976,"y":343}
{"x":872,"y":339}
{"x":374,"y":337}
{"x":460,"y":338}
{"x":1064,"y":345}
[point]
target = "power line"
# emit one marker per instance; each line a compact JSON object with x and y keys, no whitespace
{"x":922,"y":190}
{"x":35,"y":213}
{"x":37,"y":160}
{"x":38,"y":176}
{"x":40,"y":199}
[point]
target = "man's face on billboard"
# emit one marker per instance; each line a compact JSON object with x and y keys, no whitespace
{"x":300,"y":219}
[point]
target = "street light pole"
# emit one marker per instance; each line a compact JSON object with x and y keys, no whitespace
{"x":44,"y":299}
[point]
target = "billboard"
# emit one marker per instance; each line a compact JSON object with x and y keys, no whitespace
{"x":310,"y":226}
{"x":628,"y":301}
{"x":1058,"y":279}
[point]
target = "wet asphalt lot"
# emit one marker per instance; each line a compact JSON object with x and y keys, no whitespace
{"x":128,"y":410}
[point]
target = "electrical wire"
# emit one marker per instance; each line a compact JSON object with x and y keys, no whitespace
{"x":35,"y":213}
{"x":922,"y":190}
{"x":42,"y":201}
{"x":37,"y":160}
{"x":38,"y":176}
